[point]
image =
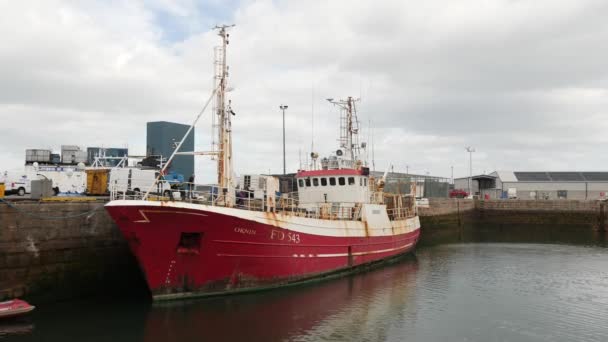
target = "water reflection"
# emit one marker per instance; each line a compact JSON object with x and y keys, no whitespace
{"x":343,"y":309}
{"x":15,"y":326}
{"x":455,"y":292}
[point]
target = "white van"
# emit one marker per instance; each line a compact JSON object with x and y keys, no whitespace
{"x":19,"y":183}
{"x":137,"y":180}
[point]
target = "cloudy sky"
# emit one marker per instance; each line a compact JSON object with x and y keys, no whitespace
{"x":525,"y":82}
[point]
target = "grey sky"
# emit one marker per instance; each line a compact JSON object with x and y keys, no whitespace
{"x":525,"y":82}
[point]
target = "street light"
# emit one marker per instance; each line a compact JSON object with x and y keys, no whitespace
{"x":283,"y":107}
{"x":470,"y":149}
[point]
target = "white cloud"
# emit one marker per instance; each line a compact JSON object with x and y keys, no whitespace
{"x":524,"y":82}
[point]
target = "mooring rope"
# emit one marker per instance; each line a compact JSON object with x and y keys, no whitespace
{"x":11,"y":205}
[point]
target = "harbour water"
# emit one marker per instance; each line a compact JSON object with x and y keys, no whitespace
{"x":453,"y":292}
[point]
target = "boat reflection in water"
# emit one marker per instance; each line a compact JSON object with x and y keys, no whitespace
{"x":361,"y":306}
{"x":15,"y":327}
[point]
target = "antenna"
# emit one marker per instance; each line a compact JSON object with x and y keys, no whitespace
{"x":349,"y":130}
{"x":373,"y":157}
{"x":312,"y":118}
{"x":369,"y":140}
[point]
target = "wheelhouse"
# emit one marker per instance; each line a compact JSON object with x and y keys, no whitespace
{"x":332,"y":186}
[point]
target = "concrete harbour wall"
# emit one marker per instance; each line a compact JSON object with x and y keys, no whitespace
{"x":45,"y":257}
{"x":54,"y":251}
{"x":543,"y":221}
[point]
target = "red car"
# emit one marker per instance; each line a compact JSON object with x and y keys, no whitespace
{"x":458,"y":193}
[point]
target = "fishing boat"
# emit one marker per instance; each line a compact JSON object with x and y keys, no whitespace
{"x":14,"y":308}
{"x":218,"y":239}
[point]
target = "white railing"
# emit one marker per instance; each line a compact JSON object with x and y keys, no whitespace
{"x":284,"y":203}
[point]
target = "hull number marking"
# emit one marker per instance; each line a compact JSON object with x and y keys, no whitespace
{"x":282,"y":236}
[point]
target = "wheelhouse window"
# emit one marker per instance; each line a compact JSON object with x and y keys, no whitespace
{"x":351,"y":180}
{"x":332,"y":181}
{"x":360,"y":181}
{"x":247,"y":182}
{"x":301,"y":183}
{"x":341,"y":181}
{"x":315,"y":181}
{"x":307,"y":181}
{"x":324,"y":181}
{"x":364,"y":181}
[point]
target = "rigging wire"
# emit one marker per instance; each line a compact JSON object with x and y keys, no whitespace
{"x":160,"y":174}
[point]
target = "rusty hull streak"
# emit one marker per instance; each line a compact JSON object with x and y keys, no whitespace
{"x":271,"y":218}
{"x":366,"y":225}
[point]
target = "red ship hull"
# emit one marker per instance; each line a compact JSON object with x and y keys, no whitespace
{"x":196,"y":250}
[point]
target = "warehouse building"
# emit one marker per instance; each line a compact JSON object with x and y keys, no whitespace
{"x":538,"y":185}
{"x":426,"y":186}
{"x":162,"y":139}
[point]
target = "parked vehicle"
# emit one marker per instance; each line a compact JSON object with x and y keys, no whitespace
{"x":134,"y":180}
{"x":458,"y":193}
{"x":64,"y":179}
{"x":17,"y":183}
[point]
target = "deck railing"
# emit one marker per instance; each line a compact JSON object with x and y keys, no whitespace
{"x":286,"y":203}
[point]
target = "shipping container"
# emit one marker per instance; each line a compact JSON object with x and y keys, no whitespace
{"x":80,"y":157}
{"x":35,"y":155}
{"x":69,"y":154}
{"x":67,"y":157}
{"x":97,"y":181}
{"x":73,"y":157}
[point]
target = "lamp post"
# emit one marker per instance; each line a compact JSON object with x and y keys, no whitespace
{"x":452,"y":167}
{"x":283,"y":107}
{"x":470,"y":149}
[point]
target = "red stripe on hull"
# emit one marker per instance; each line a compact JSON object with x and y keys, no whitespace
{"x":235,"y":254}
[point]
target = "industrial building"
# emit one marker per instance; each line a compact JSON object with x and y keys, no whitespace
{"x":538,"y":185}
{"x":426,"y":186}
{"x":162,"y":139}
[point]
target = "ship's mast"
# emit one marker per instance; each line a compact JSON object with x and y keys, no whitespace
{"x":349,"y":129}
{"x":224,"y":114}
{"x":225,"y":195}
